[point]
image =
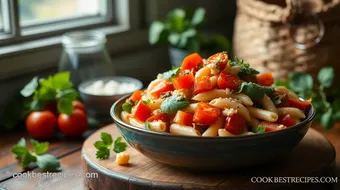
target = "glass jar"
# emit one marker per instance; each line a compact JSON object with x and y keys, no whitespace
{"x":85,"y":56}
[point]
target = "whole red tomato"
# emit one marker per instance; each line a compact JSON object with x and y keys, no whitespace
{"x":78,"y":105}
{"x":41,"y":125}
{"x":74,"y":124}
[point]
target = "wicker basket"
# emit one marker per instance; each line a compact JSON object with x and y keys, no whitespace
{"x":263,"y":35}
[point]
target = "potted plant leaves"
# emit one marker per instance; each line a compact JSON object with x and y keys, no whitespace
{"x":182,"y":32}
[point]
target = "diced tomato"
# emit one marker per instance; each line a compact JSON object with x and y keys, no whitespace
{"x":283,"y":98}
{"x":182,"y":82}
{"x":137,"y":95}
{"x":228,"y":80}
{"x":205,"y":114}
{"x":270,"y":127}
{"x":265,"y":79}
{"x":286,"y":120}
{"x":183,"y":118}
{"x":235,"y":124}
{"x":202,"y":84}
{"x":192,"y":62}
{"x":302,"y":105}
{"x":220,"y":59}
{"x":159,"y":86}
{"x":141,"y":111}
{"x":159,"y":117}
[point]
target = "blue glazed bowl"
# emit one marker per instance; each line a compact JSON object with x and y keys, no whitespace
{"x":211,"y":153}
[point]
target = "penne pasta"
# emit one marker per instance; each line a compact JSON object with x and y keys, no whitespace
{"x":224,"y":133}
{"x":183,"y":130}
{"x":231,"y":103}
{"x":191,"y":108}
{"x":291,"y":111}
{"x":213,"y":81}
{"x":268,"y":104}
{"x":212,"y":131}
{"x":125,"y":116}
{"x":212,"y":94}
{"x":286,"y":90}
{"x":136,"y":123}
{"x":263,"y":114}
{"x":155,"y":104}
{"x":243,"y":98}
{"x":205,"y":71}
{"x":158,"y":126}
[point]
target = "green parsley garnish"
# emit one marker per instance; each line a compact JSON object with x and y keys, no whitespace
{"x":259,"y":129}
{"x":104,"y":146}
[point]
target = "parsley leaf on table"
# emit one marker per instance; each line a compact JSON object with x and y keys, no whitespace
{"x":47,"y":162}
{"x":105,"y":144}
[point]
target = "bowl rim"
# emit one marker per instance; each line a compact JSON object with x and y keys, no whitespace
{"x":81,"y":86}
{"x":117,"y":119}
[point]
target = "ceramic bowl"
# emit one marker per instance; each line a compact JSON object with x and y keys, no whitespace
{"x":211,"y":153}
{"x":99,"y":105}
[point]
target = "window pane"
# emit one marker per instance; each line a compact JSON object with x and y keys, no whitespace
{"x":1,"y":17}
{"x":37,"y":11}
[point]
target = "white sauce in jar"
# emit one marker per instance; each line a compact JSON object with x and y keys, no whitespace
{"x":111,"y":87}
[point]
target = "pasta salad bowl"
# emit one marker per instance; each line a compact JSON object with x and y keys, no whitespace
{"x":211,"y":153}
{"x":213,"y":114}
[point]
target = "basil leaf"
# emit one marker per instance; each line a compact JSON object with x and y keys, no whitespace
{"x":27,"y":158}
{"x":300,"y":82}
{"x":171,"y":73}
{"x":30,"y":88}
{"x":65,"y":106}
{"x":127,"y":106}
{"x":245,"y":68}
{"x":19,"y":151}
{"x":38,"y":147}
{"x":259,"y":129}
{"x":255,"y":91}
{"x":173,"y":104}
{"x":61,"y":81}
{"x":48,"y":162}
{"x":69,"y":94}
{"x":326,"y":76}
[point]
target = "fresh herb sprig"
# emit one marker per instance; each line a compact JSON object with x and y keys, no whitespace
{"x":48,"y":162}
{"x":173,"y":104}
{"x":254,"y":90}
{"x":245,"y":68}
{"x":328,"y":110}
{"x":106,"y":144}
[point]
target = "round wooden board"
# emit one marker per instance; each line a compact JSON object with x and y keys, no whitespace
{"x":314,"y":156}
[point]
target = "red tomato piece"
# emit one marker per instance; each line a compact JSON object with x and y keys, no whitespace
{"x":270,"y":127}
{"x":192,"y":62}
{"x":286,"y":120}
{"x":228,"y":80}
{"x":183,"y":118}
{"x":205,"y":114}
{"x":235,"y":124}
{"x":283,"y":98}
{"x":137,"y":95}
{"x":202,"y":84}
{"x":141,"y":111}
{"x":265,"y":79}
{"x":296,"y":103}
{"x":220,"y":59}
{"x":158,"y":87}
{"x":183,"y":82}
{"x":159,"y":117}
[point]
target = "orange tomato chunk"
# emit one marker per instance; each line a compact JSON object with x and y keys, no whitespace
{"x":183,"y":118}
{"x":206,"y":114}
{"x":265,"y":79}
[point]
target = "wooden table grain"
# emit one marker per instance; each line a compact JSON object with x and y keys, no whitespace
{"x":69,"y":154}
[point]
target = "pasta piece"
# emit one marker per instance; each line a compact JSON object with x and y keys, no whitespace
{"x":231,"y":103}
{"x":212,"y":94}
{"x":125,"y":116}
{"x":205,"y":71}
{"x":155,"y":104}
{"x":263,"y":114}
{"x":248,"y":133}
{"x":136,"y":123}
{"x":212,"y":131}
{"x":286,"y":90}
{"x":213,"y":68}
{"x":213,"y":81}
{"x":229,"y":112}
{"x":224,"y":133}
{"x":151,"y":86}
{"x":268,"y":104}
{"x":253,"y":122}
{"x":291,"y":111}
{"x":183,"y":130}
{"x":158,"y":126}
{"x":244,"y":99}
{"x":191,"y":108}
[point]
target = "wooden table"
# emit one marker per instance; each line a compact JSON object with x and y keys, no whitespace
{"x":68,"y":152}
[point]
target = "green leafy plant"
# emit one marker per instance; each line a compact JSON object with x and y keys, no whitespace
{"x":181,"y":30}
{"x":48,"y":162}
{"x":328,"y":110}
{"x":105,"y":145}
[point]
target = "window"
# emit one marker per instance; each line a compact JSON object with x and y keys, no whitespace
{"x":23,"y":20}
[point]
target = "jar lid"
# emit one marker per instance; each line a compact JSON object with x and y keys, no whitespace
{"x":83,"y":39}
